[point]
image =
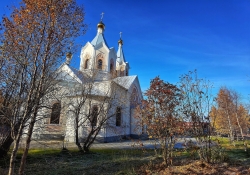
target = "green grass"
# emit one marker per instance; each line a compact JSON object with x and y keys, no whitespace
{"x":237,"y":153}
{"x":98,"y":161}
{"x":110,"y":161}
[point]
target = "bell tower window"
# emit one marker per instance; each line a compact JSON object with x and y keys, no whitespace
{"x":99,"y":66}
{"x":86,"y":64}
{"x":111,"y":67}
{"x":100,"y":62}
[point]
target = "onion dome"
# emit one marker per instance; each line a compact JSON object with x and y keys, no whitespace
{"x":120,"y":42}
{"x":101,"y":25}
{"x":68,"y":57}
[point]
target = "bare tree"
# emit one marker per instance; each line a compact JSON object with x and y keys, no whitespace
{"x":94,"y":105}
{"x":196,"y":105}
{"x":35,"y":37}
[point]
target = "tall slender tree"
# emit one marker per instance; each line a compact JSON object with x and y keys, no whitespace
{"x":230,"y":109}
{"x":35,"y":38}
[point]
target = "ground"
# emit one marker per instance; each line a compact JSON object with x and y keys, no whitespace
{"x":106,"y":160}
{"x":198,"y":168}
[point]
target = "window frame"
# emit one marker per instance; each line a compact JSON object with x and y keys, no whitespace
{"x":94,"y":115}
{"x":55,"y":113}
{"x":99,"y":66}
{"x":86,"y":66}
{"x":118,"y":116}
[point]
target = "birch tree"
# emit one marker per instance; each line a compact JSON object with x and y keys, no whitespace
{"x":230,"y":116}
{"x":35,"y":38}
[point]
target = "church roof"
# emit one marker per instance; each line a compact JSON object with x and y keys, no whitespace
{"x":99,"y":38}
{"x":120,"y":56}
{"x":70,"y":74}
{"x":125,"y":81}
{"x":77,"y":73}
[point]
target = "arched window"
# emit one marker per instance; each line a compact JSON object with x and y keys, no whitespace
{"x":99,"y":66}
{"x":55,"y":114}
{"x":134,"y":97}
{"x":126,"y":72}
{"x":118,"y":116}
{"x":86,"y":64}
{"x":111,"y":67}
{"x":94,"y":116}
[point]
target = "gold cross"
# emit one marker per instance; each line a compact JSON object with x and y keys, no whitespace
{"x":102,"y":16}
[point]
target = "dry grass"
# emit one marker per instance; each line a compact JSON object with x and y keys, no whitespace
{"x":136,"y":161}
{"x":237,"y":162}
{"x":55,"y":162}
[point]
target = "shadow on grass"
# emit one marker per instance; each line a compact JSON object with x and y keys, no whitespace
{"x":102,"y":161}
{"x":111,"y":161}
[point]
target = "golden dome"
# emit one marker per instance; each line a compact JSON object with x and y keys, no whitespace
{"x":100,"y":25}
{"x":120,"y":42}
{"x":68,"y":54}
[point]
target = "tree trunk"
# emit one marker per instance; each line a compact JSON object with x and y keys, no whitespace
{"x":86,"y":148}
{"x":14,"y":152}
{"x":77,"y":136}
{"x":77,"y":140}
{"x":27,"y":145}
{"x":164,"y":155}
{"x":230,"y":129}
{"x":241,"y":131}
{"x":5,"y":145}
{"x":8,"y":140}
{"x":91,"y":138}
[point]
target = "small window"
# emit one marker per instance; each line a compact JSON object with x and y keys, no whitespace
{"x":94,"y":116}
{"x":134,"y":97}
{"x":55,"y":114}
{"x":111,"y":67}
{"x":126,"y":72}
{"x":118,"y":116}
{"x":86,"y":64}
{"x":99,"y":66}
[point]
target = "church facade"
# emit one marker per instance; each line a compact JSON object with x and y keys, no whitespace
{"x":101,"y":89}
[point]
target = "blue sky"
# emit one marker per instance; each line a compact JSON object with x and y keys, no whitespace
{"x":169,"y":38}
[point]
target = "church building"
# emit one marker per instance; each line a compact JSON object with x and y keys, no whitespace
{"x":103,"y":80}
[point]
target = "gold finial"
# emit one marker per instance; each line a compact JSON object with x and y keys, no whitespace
{"x":68,"y":57}
{"x":120,"y":40}
{"x":69,"y":54}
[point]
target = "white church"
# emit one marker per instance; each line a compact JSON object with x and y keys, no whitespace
{"x":111,"y":93}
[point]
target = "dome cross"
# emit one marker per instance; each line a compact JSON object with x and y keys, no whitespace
{"x":102,"y":14}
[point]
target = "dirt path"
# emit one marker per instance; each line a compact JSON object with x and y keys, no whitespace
{"x":125,"y":144}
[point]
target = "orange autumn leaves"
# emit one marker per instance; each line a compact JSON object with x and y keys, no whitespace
{"x":229,"y":116}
